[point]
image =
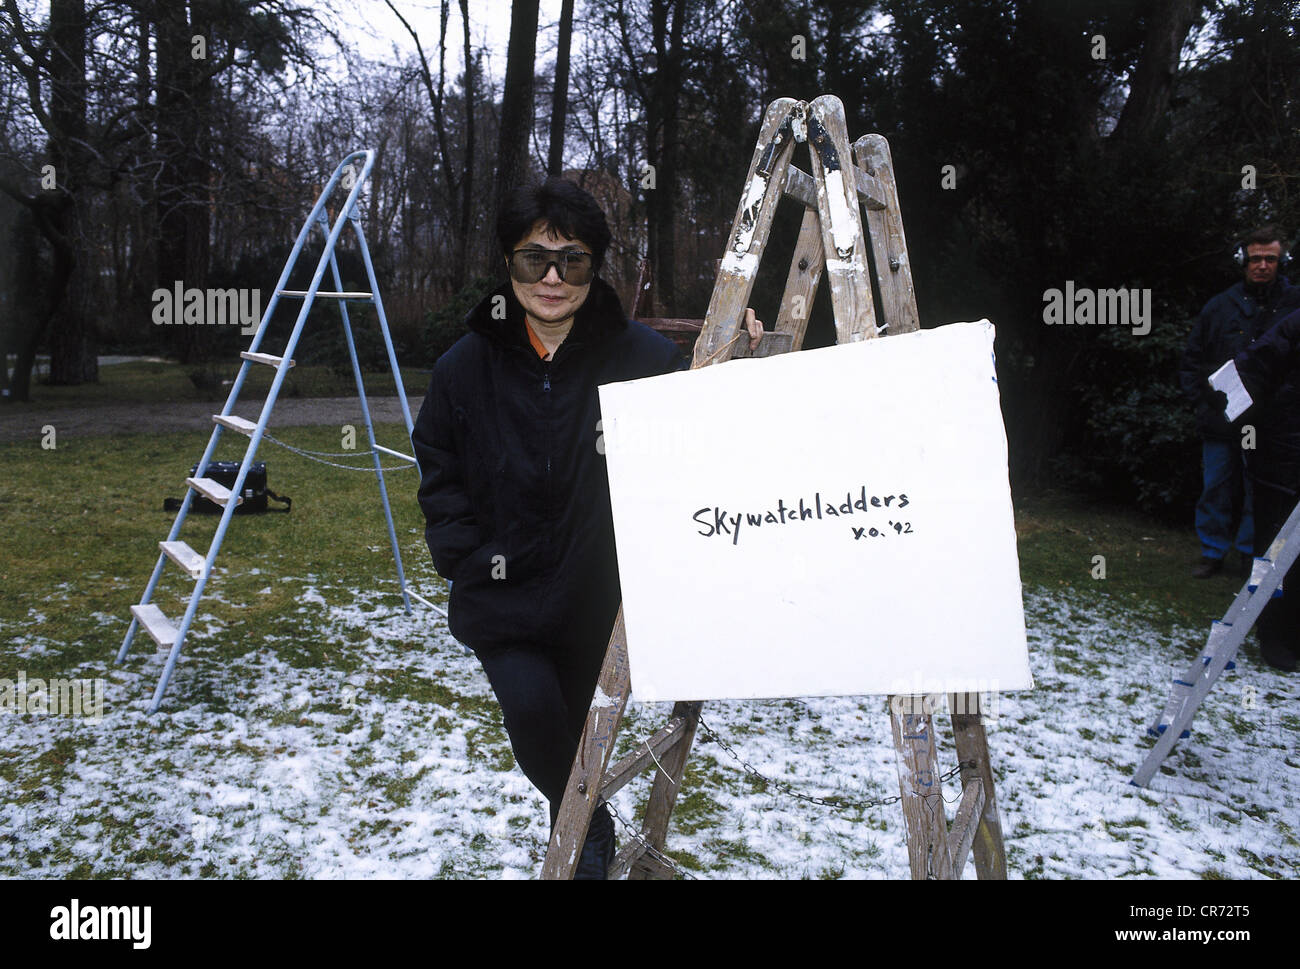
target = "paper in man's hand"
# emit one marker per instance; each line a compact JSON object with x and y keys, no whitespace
{"x":1228,"y":380}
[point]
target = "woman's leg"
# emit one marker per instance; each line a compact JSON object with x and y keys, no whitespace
{"x":529,"y":687}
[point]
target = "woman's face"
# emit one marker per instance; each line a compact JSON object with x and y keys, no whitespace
{"x":551,"y":301}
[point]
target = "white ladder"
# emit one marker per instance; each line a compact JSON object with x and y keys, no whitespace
{"x":1226,"y":636}
{"x":166,"y":633}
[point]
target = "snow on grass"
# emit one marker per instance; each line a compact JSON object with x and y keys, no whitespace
{"x":388,"y":760}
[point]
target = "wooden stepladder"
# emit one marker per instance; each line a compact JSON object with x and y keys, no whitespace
{"x":834,"y":240}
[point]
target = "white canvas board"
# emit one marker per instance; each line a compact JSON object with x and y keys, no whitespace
{"x":828,"y":522}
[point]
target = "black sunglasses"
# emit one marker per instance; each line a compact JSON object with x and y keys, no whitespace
{"x":529,"y":265}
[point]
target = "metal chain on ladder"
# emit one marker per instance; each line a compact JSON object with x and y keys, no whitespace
{"x":319,"y":456}
{"x":650,"y":849}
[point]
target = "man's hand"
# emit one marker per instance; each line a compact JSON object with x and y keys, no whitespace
{"x":755,"y":327}
{"x":1219,"y":403}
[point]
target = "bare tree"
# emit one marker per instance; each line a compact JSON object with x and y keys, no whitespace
{"x":560,"y":91}
{"x":517,"y":100}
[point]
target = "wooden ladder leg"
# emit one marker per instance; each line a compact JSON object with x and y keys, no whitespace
{"x":763,"y":188}
{"x":973,"y":748}
{"x":801,"y":283}
{"x":663,"y":794}
{"x":843,"y":238}
{"x":921,"y":789}
{"x":598,"y":736}
{"x":888,"y":244}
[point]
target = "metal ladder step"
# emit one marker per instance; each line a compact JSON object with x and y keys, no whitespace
{"x":396,"y":454}
{"x":158,"y":626}
{"x":1219,"y":633}
{"x":269,"y":359}
{"x":189,"y":560}
{"x":216,"y":493}
{"x":1258,"y":571}
{"x":235,"y":423}
{"x":302,"y":293}
{"x":1183,"y":686}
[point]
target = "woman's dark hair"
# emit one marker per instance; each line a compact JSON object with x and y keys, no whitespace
{"x":561,"y":206}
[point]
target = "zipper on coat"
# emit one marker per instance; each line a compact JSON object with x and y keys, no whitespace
{"x":546,"y":389}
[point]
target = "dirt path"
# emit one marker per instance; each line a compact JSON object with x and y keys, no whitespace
{"x":113,"y":419}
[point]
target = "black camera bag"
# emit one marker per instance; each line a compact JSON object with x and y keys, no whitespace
{"x":255,"y":493}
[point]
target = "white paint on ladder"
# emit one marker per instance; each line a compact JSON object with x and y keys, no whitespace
{"x":844,"y":230}
{"x":754,"y":192}
{"x":843,"y":267}
{"x":740,"y":263}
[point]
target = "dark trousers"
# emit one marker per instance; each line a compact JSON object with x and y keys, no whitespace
{"x":1225,"y":501}
{"x":1280,"y":622}
{"x":545,"y":692}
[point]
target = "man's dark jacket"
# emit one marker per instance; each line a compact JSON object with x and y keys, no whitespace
{"x":1270,"y":371}
{"x":1228,"y":324}
{"x":512,"y":477}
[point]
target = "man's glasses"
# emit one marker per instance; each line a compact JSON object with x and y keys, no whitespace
{"x":1268,"y":259}
{"x":530,"y":265}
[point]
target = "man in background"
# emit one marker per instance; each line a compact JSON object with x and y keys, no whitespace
{"x":1227,"y":325}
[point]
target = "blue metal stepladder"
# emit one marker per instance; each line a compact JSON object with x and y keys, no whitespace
{"x":163,"y":631}
{"x":1226,"y":636}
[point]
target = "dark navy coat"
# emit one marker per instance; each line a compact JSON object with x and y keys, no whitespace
{"x":512,"y":483}
{"x":1270,"y":371}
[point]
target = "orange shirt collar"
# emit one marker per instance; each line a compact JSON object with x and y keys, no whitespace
{"x":536,"y":343}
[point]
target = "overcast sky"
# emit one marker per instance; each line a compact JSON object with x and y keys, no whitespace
{"x":376,"y":32}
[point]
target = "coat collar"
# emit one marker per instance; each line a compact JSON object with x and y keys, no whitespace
{"x":1248,"y":304}
{"x":598,"y":318}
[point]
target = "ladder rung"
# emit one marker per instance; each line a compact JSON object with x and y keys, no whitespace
{"x":1208,"y":659}
{"x":434,"y":606}
{"x":266,"y":358}
{"x":158,"y":626}
{"x":301,"y":293}
{"x":801,"y":187}
{"x":667,"y":737}
{"x":1258,"y":571}
{"x":184,"y":556}
{"x":235,"y":423}
{"x":627,"y":856}
{"x":396,"y":454}
{"x":217,"y":493}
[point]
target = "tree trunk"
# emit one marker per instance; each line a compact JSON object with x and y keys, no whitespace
{"x":28,"y":318}
{"x":662,"y":133}
{"x":560,"y":93}
{"x":1153,"y":79}
{"x":183,"y":220}
{"x":467,"y":181}
{"x":517,"y":100}
{"x":72,"y":349}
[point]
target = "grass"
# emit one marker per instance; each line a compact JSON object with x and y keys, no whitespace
{"x":83,"y":522}
{"x":154,"y":382}
{"x":1147,"y":563}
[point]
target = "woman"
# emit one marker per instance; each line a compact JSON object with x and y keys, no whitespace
{"x":513,"y":487}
